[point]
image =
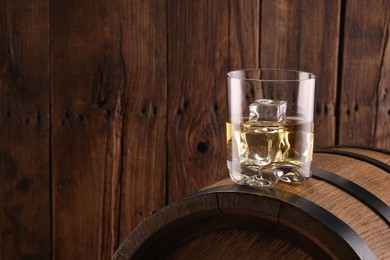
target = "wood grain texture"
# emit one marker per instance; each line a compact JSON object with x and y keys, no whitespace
{"x":364,"y":221}
{"x":88,"y":103}
{"x":226,"y":220}
{"x":144,"y":152}
{"x":244,"y":22}
{"x":198,"y":63}
{"x":196,"y":228}
{"x":378,"y":155}
{"x":25,"y":231}
{"x":354,"y":213}
{"x":363,"y":91}
{"x":229,"y":245}
{"x":382,"y":126}
{"x":111,"y":109}
{"x":137,"y":246}
{"x":303,"y":35}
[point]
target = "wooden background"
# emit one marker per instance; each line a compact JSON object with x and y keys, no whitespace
{"x":112,"y":109}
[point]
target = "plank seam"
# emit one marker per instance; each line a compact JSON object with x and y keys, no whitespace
{"x":340,"y":62}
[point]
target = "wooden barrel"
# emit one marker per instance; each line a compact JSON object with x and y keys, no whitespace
{"x":341,"y":213}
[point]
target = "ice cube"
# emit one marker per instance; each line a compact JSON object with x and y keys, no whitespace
{"x":267,"y":110}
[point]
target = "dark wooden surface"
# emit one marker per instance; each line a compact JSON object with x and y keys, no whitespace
{"x":235,"y":222}
{"x":25,"y":212}
{"x":365,"y":87}
{"x":143,"y":182}
{"x":111,"y":109}
{"x":305,"y":35}
{"x":198,"y":49}
{"x":88,"y":92}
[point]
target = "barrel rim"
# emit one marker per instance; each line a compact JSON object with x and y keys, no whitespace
{"x":329,"y":221}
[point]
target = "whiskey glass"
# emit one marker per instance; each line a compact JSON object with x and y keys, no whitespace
{"x":270,"y":130}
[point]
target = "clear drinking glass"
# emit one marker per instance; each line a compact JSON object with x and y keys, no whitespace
{"x":270,"y":128}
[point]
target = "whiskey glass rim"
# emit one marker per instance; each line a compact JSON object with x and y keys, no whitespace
{"x":278,"y":75}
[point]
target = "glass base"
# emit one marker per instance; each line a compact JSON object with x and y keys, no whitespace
{"x":256,"y":176}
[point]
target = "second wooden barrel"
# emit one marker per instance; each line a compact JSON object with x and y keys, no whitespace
{"x":341,"y":213}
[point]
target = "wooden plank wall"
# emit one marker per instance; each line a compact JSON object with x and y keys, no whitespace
{"x":112,"y":109}
{"x":25,"y":169}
